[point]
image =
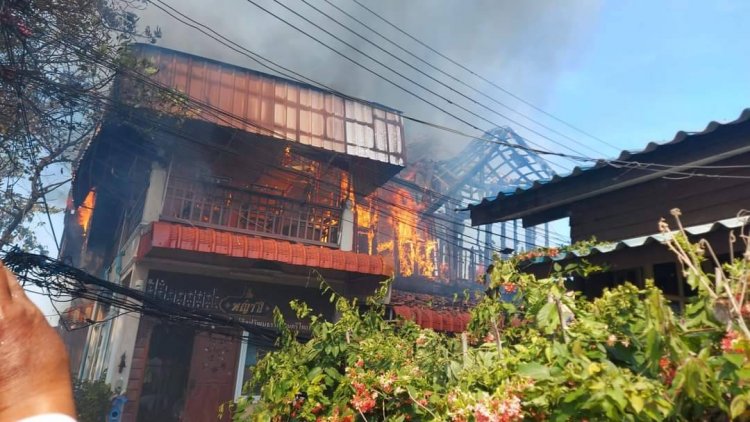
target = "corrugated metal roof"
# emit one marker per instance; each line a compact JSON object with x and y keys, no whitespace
{"x":175,"y":236}
{"x":268,"y":105}
{"x":636,"y":242}
{"x":625,"y":155}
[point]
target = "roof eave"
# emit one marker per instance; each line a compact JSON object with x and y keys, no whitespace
{"x":547,"y":201}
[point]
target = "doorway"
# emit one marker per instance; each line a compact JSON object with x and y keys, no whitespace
{"x":166,"y":374}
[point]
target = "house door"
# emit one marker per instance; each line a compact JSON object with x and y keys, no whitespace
{"x":211,"y":380}
{"x":162,"y":395}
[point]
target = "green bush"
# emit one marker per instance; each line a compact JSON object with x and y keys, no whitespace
{"x":546,"y":355}
{"x":92,"y":400}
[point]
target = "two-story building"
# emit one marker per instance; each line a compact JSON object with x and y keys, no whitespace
{"x":231,"y":192}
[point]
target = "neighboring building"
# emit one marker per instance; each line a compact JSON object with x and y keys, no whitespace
{"x":705,"y":174}
{"x":235,"y":201}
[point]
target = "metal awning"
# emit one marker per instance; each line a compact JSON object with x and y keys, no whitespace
{"x":637,"y":242}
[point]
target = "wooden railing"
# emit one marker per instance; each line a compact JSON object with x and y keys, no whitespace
{"x":209,"y":204}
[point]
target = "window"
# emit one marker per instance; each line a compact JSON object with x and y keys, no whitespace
{"x":250,"y":354}
{"x":668,"y":279}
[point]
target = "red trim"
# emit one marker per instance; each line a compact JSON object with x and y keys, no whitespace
{"x":455,"y":322}
{"x":166,"y":235}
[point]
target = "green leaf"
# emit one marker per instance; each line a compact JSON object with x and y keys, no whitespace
{"x":744,"y":374}
{"x":533,"y":370}
{"x":314,"y":372}
{"x":738,"y":406}
{"x":618,"y":397}
{"x":735,"y":359}
{"x":594,"y":368}
{"x":576,"y":394}
{"x":333,"y":373}
{"x":637,"y":402}
{"x":547,"y":318}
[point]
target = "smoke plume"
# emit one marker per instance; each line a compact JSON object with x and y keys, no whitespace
{"x":520,"y":45}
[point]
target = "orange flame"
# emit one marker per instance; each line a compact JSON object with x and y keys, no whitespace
{"x":367,"y":219}
{"x":85,"y":211}
{"x":416,"y":250}
{"x":385,"y":246}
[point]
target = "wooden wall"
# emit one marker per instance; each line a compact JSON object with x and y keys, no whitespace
{"x":636,"y":210}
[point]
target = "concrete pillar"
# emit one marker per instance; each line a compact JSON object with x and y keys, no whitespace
{"x":157,"y":188}
{"x":347,"y":227}
{"x":124,"y":332}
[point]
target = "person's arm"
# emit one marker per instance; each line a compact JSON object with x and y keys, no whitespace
{"x":34,"y":373}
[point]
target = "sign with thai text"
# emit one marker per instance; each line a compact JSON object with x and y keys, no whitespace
{"x":247,"y":301}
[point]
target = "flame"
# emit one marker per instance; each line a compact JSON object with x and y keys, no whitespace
{"x":85,"y":211}
{"x":409,"y":236}
{"x":367,"y":219}
{"x":404,"y":222}
{"x":416,"y":249}
{"x":385,"y":247}
{"x":346,"y":188}
{"x":426,"y":259}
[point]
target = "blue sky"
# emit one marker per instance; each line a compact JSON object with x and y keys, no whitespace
{"x":651,"y":68}
{"x":630,"y":72}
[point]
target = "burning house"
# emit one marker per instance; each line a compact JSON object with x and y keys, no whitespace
{"x":219,"y":188}
{"x":227,"y":204}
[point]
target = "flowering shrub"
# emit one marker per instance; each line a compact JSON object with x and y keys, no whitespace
{"x":544,"y":354}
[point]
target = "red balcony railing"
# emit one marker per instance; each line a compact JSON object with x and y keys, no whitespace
{"x":209,"y":204}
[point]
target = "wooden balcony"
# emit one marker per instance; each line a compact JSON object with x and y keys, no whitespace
{"x":204,"y":203}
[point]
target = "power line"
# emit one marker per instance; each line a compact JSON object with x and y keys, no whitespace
{"x":692,"y":174}
{"x":482,"y":78}
{"x":280,"y":135}
{"x":302,"y":79}
{"x":297,"y":77}
{"x":714,"y":176}
{"x":50,"y":274}
{"x":482,"y":105}
{"x":514,"y":239}
{"x":369,"y":70}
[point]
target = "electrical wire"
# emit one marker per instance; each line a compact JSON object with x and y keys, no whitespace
{"x":229,"y":123}
{"x":449,"y":87}
{"x":297,"y":77}
{"x":482,"y":78}
{"x":51,"y":274}
{"x":391,"y":69}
